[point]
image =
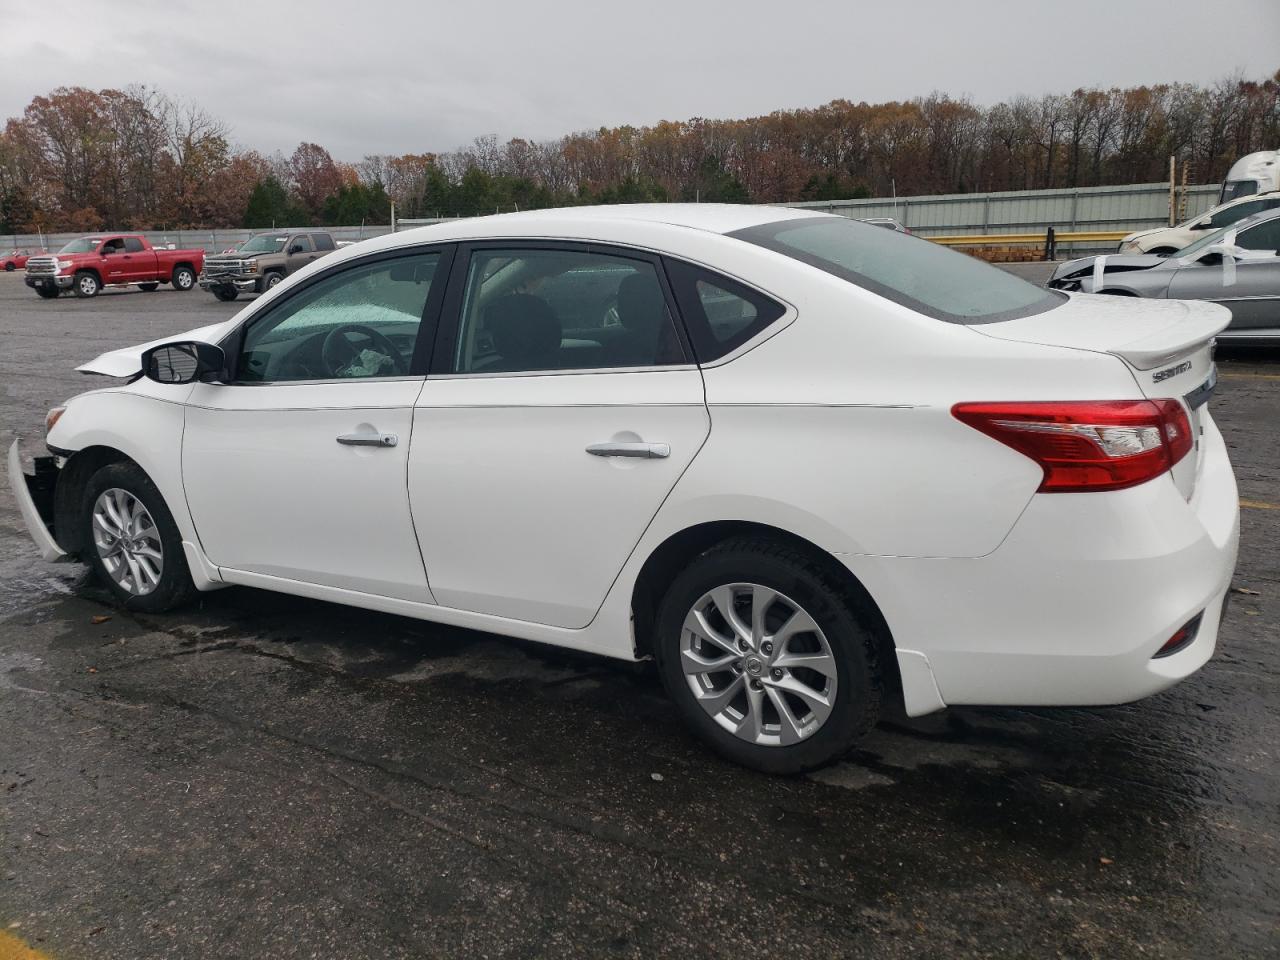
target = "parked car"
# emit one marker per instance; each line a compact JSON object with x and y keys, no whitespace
{"x":88,"y":264}
{"x":262,"y":261}
{"x":1237,"y":266}
{"x":887,"y":222}
{"x":17,"y":259}
{"x":1167,"y":240}
{"x":813,"y":466}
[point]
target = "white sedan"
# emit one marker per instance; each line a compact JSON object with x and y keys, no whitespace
{"x":806,"y":464}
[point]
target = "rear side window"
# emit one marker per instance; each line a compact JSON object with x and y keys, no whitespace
{"x":720,"y":314}
{"x":911,"y":271}
{"x":132,"y":245}
{"x":322,"y":241}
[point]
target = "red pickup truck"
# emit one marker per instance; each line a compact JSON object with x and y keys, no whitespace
{"x":91,"y":263}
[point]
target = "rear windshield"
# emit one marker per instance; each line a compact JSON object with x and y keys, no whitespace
{"x":916,"y":273}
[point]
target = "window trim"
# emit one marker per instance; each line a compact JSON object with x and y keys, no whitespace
{"x":233,"y":342}
{"x":450,"y":325}
{"x":763,"y":235}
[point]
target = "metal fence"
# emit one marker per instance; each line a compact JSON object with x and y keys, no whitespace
{"x":1132,"y":207}
{"x":211,"y":241}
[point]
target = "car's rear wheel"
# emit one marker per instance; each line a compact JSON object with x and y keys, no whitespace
{"x":148,"y":287}
{"x":184,"y":278}
{"x":10,"y":267}
{"x":771,"y":660}
{"x":87,"y":285}
{"x":48,"y":293}
{"x":225,"y":294}
{"x":132,"y":542}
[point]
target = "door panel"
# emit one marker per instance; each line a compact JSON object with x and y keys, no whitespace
{"x":272,"y":491}
{"x":515,"y":517}
{"x":1253,"y":299}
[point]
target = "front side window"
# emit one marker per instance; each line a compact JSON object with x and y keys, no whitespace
{"x":1265,"y":237}
{"x":361,"y":322}
{"x":911,"y":271}
{"x":534,"y":310}
{"x":113,"y":246}
{"x":1224,"y":218}
{"x":300,"y":244}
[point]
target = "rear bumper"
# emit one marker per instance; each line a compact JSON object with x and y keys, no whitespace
{"x":1073,"y":606}
{"x":35,"y":501}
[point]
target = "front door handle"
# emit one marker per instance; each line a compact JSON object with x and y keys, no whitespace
{"x":650,"y":451}
{"x":369,"y":439}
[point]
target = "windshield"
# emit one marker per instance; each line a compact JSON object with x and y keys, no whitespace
{"x":263,"y":243}
{"x":916,"y":273}
{"x":1215,"y":237}
{"x":1235,"y":189}
{"x":83,"y":245}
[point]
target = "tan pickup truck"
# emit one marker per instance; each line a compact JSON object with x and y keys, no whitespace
{"x":262,"y":261}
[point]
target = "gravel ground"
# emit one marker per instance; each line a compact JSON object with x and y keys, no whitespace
{"x":266,"y":776}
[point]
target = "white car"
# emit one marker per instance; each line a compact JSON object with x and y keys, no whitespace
{"x":807,"y":464}
{"x":1167,"y":240}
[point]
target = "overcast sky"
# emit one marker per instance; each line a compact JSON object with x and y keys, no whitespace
{"x":365,"y":76}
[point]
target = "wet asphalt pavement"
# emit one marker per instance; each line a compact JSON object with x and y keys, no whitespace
{"x":264,"y":776}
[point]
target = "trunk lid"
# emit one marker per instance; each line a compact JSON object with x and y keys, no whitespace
{"x":1166,"y":344}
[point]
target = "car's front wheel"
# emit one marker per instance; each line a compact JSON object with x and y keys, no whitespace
{"x":87,"y":285}
{"x":771,"y":659}
{"x":225,"y":294}
{"x":132,"y":542}
{"x":48,"y":293}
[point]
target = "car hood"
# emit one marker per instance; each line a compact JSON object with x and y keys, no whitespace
{"x":128,"y":361}
{"x":1145,"y":233}
{"x":1115,"y":262}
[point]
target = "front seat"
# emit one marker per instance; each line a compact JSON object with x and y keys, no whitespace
{"x":647,"y":338}
{"x":526,"y":334}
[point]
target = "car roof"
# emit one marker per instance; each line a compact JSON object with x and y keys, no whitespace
{"x":709,"y":217}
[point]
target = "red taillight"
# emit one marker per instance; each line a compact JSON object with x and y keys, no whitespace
{"x":1091,"y":445}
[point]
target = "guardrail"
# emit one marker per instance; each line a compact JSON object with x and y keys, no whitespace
{"x":1049,"y":239}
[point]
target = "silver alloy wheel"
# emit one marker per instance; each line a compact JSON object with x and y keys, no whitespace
{"x":758,"y":664}
{"x":128,"y":541}
{"x":88,"y":285}
{"x":185,"y":279}
{"x":273,"y":280}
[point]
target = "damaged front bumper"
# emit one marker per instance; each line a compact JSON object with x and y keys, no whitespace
{"x":35,"y":501}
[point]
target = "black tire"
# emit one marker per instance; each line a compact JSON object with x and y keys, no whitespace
{"x":10,"y":267}
{"x":174,"y":586}
{"x":225,"y":294}
{"x":840,"y":612}
{"x":148,"y":287}
{"x":47,"y":294}
{"x":183,"y":278}
{"x":270,"y":280}
{"x":86,"y":285}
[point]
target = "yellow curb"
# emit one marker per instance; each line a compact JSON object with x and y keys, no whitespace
{"x":1259,"y":505}
{"x":11,"y":948}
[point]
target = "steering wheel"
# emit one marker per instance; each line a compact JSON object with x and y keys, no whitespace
{"x":338,"y":352}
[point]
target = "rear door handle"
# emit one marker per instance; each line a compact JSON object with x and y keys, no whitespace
{"x":650,"y":451}
{"x":369,"y":439}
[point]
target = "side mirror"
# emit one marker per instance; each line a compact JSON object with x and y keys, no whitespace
{"x":184,"y":363}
